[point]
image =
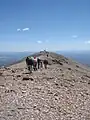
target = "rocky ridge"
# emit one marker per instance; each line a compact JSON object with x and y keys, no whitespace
{"x":62,"y":92}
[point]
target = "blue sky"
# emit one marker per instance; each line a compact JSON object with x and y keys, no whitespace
{"x":31,"y":25}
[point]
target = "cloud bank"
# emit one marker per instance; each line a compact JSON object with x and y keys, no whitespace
{"x":39,"y":41}
{"x":25,"y":29}
{"x":18,"y":29}
{"x":87,"y":42}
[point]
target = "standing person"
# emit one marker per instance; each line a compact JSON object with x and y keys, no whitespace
{"x":41,"y":64}
{"x":35,"y":64}
{"x":45,"y":62}
{"x":38,"y":62}
{"x":29,"y":63}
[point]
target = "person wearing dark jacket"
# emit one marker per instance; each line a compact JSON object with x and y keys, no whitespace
{"x":45,"y":62}
{"x":35,"y":63}
{"x":29,"y":63}
{"x":38,"y":62}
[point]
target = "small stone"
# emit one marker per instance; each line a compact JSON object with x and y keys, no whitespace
{"x":1,"y":73}
{"x":18,"y":75}
{"x":25,"y":78}
{"x":13,"y":71}
{"x":34,"y":107}
{"x":77,"y":66}
{"x":61,"y":63}
{"x":13,"y":78}
{"x":55,"y":94}
{"x":62,"y":75}
{"x":31,"y":79}
{"x":89,"y":82}
{"x":87,"y":76}
{"x":66,"y":62}
{"x":69,"y":69}
{"x":56,"y":84}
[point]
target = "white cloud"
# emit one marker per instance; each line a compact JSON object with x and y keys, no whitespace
{"x":87,"y":42}
{"x":74,"y":36}
{"x":39,"y":41}
{"x":18,"y":29}
{"x":25,"y":29}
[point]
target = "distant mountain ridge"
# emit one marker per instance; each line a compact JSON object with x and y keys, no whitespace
{"x":55,"y":58}
{"x":7,"y":58}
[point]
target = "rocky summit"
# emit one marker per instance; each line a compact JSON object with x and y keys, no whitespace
{"x":61,"y":92}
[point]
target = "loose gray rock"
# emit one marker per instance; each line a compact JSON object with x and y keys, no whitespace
{"x":58,"y":93}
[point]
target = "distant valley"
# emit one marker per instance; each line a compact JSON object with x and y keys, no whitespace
{"x":7,"y":58}
{"x":79,"y":56}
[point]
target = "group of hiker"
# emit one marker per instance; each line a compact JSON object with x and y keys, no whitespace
{"x":35,"y":63}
